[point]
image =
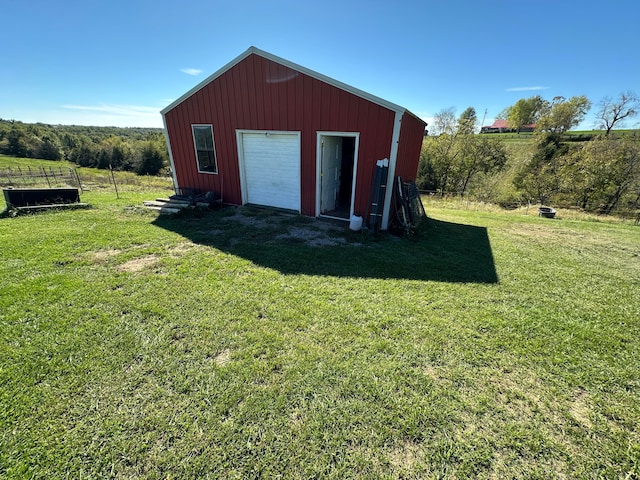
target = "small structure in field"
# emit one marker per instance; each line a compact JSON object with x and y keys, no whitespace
{"x":546,"y":212}
{"x":34,"y":199}
{"x":263,"y":130}
{"x":502,"y":126}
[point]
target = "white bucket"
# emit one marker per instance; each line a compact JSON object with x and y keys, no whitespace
{"x":356,"y":223}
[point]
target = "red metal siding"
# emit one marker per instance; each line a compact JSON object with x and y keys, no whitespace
{"x":411,"y":136}
{"x":259,"y":94}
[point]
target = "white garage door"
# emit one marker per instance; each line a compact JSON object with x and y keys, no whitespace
{"x":270,"y":163}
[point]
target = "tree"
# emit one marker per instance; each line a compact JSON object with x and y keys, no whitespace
{"x":445,"y":122}
{"x":600,"y":173}
{"x":612,"y":112}
{"x":440,"y":152}
{"x":467,"y":121}
{"x":526,"y":111}
{"x":84,"y":155}
{"x":480,"y":154}
{"x":539,"y":178}
{"x":17,"y":141}
{"x":449,"y":161}
{"x":563,"y":114}
{"x":437,"y":157}
{"x":49,"y":148}
{"x":151,"y":160}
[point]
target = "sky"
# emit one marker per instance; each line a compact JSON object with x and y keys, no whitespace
{"x":119,"y":62}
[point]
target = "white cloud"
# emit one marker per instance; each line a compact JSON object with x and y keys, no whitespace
{"x":109,"y":115}
{"x":191,"y":71}
{"x":525,"y":89}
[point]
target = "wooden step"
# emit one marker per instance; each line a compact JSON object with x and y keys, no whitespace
{"x":155,"y":203}
{"x":164,"y":210}
{"x":173,"y":200}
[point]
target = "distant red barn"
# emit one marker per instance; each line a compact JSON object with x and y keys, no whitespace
{"x":263,"y":130}
{"x":502,"y":126}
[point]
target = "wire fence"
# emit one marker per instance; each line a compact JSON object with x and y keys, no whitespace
{"x":48,"y":177}
{"x":628,"y":212}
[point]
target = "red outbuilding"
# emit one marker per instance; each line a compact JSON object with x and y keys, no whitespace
{"x":263,"y":130}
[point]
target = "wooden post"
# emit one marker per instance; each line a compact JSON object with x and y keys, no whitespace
{"x":75,"y":171}
{"x":21,"y":175}
{"x":45,"y":176}
{"x":114,"y":181}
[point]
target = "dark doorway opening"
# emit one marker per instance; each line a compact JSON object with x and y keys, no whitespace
{"x":338,"y":155}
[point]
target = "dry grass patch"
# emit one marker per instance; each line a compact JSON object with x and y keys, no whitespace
{"x":404,"y":456}
{"x":139,"y":264}
{"x":102,"y":255}
{"x":580,"y":409}
{"x":222,"y":358}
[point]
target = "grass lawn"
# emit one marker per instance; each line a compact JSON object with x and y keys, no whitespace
{"x":247,"y":344}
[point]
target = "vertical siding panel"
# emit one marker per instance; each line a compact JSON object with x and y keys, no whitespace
{"x":343,"y":112}
{"x":289,"y":99}
{"x":238,"y":101}
{"x":269,"y":114}
{"x":336,"y":105}
{"x":353,"y":114}
{"x":325,"y":107}
{"x":219,"y":134}
{"x":193,"y":112}
{"x":186,"y":152}
{"x":363,"y":176}
{"x":211,"y":180}
{"x":276,"y":99}
{"x":299,"y":88}
{"x":267,"y":96}
{"x":175,"y":121}
{"x":411,"y":137}
{"x":230,"y":119}
{"x":281,"y":104}
{"x":260,"y":95}
{"x":231,"y":112}
{"x":309,"y":109}
{"x":198,"y":110}
{"x":248,"y":87}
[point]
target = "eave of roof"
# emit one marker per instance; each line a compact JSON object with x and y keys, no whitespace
{"x":293,"y":66}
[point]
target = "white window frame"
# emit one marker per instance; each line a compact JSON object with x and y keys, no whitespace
{"x":195,"y":147}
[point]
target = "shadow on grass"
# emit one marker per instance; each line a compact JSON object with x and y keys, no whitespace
{"x":440,"y":251}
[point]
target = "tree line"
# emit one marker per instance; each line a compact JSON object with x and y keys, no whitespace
{"x":600,"y":173}
{"x":140,"y":150}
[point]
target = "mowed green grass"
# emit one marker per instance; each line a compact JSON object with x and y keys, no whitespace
{"x":492,"y":345}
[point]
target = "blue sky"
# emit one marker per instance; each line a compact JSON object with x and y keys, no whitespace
{"x":120,"y":62}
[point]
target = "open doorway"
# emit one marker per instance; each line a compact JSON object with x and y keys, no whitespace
{"x":336,"y":169}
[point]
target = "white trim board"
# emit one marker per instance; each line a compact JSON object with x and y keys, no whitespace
{"x":393,"y":158}
{"x":171,"y":162}
{"x":319,"y":135}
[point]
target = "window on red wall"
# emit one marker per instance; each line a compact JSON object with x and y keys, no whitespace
{"x":205,"y":148}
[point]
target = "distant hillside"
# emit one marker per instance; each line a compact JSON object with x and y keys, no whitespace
{"x":142,"y":150}
{"x":570,"y":136}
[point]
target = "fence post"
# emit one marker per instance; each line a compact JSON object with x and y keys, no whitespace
{"x":45,"y":176}
{"x":75,"y":170}
{"x":21,"y":175}
{"x":114,"y":181}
